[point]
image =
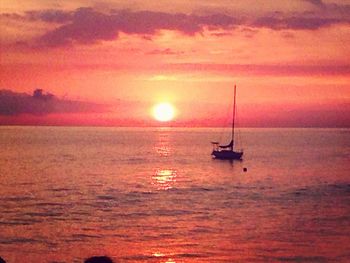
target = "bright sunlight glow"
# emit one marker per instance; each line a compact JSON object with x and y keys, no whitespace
{"x":163,"y":112}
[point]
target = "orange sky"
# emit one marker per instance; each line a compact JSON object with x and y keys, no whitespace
{"x":290,"y":61}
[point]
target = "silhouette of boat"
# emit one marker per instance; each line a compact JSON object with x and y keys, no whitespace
{"x":227,"y":152}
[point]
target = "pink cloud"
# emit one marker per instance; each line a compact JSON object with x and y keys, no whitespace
{"x":166,"y":51}
{"x":263,"y":70}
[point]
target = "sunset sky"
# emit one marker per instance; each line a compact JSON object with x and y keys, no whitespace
{"x":109,"y":62}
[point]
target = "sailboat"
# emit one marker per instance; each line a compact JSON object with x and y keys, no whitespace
{"x":227,"y":152}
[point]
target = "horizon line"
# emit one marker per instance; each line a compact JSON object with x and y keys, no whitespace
{"x":173,"y":126}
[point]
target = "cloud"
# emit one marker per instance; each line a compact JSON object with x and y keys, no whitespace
{"x":265,"y":70}
{"x":88,"y":26}
{"x":299,"y":115}
{"x":316,"y":2}
{"x":13,"y":103}
{"x":331,"y":9}
{"x":49,"y":16}
{"x":295,"y":23}
{"x":287,"y":35}
{"x":166,"y":51}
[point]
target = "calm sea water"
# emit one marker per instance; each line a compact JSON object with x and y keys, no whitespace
{"x":155,"y":195}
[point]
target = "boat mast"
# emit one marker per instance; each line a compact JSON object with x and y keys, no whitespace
{"x":233,"y":116}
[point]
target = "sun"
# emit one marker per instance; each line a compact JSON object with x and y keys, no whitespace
{"x":163,"y":112}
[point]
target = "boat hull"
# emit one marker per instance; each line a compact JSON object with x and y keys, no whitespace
{"x":227,"y":155}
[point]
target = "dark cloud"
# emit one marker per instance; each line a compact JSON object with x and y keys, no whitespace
{"x":295,"y":23}
{"x":87,"y":26}
{"x":335,"y":10}
{"x":50,"y":16}
{"x":331,"y":9}
{"x":13,"y":103}
{"x":318,"y":3}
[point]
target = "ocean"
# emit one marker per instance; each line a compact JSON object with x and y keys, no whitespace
{"x":156,"y":195}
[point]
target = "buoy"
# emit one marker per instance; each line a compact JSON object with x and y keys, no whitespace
{"x":245,"y":169}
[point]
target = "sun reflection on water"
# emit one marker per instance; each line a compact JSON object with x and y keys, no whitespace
{"x":158,"y":254}
{"x":164,"y":179}
{"x":161,"y":255}
{"x":163,"y":150}
{"x":163,"y":147}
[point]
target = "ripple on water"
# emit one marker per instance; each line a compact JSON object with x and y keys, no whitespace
{"x":316,"y":259}
{"x":333,"y":190}
{"x":165,"y":257}
{"x":18,"y":240}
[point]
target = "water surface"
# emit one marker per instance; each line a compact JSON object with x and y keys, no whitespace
{"x":155,"y":195}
